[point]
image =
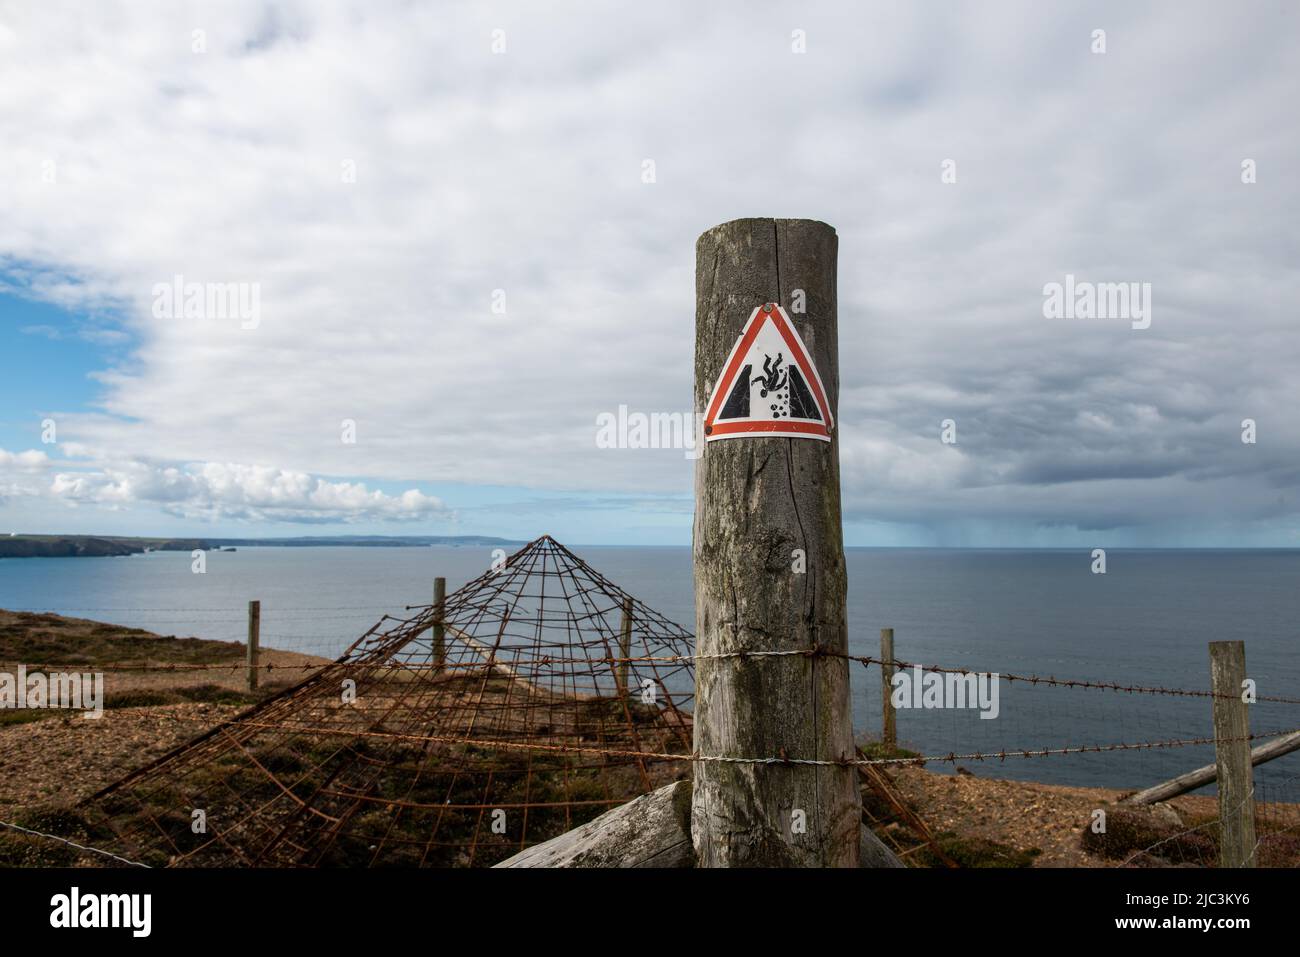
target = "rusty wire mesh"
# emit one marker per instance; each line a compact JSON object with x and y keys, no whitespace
{"x":541,"y":707}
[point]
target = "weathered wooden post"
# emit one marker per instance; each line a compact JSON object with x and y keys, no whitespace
{"x":439,"y":626}
{"x":624,"y":645}
{"x":254,"y":635}
{"x":1232,"y":755}
{"x":769,"y":556}
{"x":1190,"y":781}
{"x":889,"y":720}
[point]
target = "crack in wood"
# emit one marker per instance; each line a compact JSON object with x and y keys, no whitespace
{"x":748,"y":518}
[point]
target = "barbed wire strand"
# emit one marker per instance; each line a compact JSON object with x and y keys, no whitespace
{"x":846,"y":761}
{"x":64,"y":840}
{"x":865,"y":660}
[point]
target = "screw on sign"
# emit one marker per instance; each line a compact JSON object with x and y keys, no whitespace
{"x":769,"y":385}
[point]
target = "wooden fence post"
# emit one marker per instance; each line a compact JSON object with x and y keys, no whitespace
{"x":769,"y":576}
{"x":889,"y":722}
{"x":439,"y":626}
{"x":1276,"y":748}
{"x":1232,"y":755}
{"x":254,"y":636}
{"x":624,"y":645}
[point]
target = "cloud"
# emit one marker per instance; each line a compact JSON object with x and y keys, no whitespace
{"x":216,"y":490}
{"x":30,"y":461}
{"x":521,"y":172}
{"x":208,"y":491}
{"x":48,"y":332}
{"x":21,"y":473}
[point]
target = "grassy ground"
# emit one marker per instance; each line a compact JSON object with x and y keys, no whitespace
{"x":36,"y":638}
{"x":141,"y":669}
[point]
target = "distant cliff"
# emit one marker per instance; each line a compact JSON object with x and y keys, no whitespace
{"x":84,"y":546}
{"x":89,"y":546}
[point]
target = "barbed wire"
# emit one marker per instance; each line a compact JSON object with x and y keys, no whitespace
{"x":1052,"y":681}
{"x":696,"y":757}
{"x":865,"y":660}
{"x":64,"y":840}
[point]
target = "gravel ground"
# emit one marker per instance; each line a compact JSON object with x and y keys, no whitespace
{"x":1024,"y":816}
{"x":66,"y":758}
{"x":159,"y":691}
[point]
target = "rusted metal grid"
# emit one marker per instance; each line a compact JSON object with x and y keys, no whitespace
{"x":526,"y":727}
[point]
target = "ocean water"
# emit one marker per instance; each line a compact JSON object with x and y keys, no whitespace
{"x":1146,"y":622}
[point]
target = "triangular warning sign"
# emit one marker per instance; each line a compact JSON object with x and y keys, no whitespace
{"x":769,"y":385}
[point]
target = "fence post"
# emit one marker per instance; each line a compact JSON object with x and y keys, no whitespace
{"x":889,"y":723}
{"x":439,"y":626}
{"x":625,"y":645}
{"x":254,"y":635}
{"x":1232,"y":755}
{"x":769,"y":574}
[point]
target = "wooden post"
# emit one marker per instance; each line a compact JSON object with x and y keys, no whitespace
{"x":1279,"y":746}
{"x":1232,"y":755}
{"x":769,"y":576}
{"x":653,"y":830}
{"x":439,"y":626}
{"x":624,"y":645}
{"x":889,"y":722}
{"x":254,"y":634}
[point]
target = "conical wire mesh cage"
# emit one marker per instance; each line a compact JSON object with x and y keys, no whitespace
{"x":538,"y":696}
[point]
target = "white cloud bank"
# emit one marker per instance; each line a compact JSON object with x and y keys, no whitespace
{"x":212,"y":491}
{"x":29,"y":461}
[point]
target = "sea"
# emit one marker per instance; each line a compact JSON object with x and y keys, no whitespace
{"x":1143,"y":624}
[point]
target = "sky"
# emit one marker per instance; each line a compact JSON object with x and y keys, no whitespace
{"x":458,"y":234}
